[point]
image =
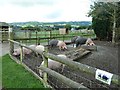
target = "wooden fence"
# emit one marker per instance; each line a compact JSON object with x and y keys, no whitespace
{"x":77,"y":66}
{"x":38,"y":37}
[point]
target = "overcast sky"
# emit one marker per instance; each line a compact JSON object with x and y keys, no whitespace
{"x":44,"y":10}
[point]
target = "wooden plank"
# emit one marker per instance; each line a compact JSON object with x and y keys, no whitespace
{"x":63,"y":79}
{"x":91,"y":48}
{"x":79,"y":66}
{"x":77,"y":53}
{"x":75,"y":65}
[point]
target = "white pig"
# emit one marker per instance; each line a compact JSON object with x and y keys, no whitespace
{"x":54,"y":64}
{"x":40,"y":48}
{"x":32,"y":46}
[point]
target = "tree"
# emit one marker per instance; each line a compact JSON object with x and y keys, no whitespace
{"x":68,"y":26}
{"x":105,"y":16}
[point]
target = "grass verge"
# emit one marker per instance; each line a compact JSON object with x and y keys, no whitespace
{"x":15,"y":76}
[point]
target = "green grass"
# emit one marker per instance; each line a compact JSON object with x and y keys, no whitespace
{"x":15,"y":76}
{"x":54,"y":33}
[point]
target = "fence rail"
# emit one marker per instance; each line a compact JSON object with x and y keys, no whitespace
{"x":77,"y":66}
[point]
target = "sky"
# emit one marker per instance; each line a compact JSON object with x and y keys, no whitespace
{"x":44,"y":10}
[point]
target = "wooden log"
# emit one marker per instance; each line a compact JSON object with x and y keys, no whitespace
{"x":63,"y":79}
{"x":75,"y":65}
{"x":91,"y":48}
{"x":77,"y":53}
{"x":79,"y":66}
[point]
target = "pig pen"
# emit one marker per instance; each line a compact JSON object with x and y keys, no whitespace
{"x":93,"y":59}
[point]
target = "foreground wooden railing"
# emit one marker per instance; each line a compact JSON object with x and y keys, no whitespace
{"x":69,"y":82}
{"x":77,"y":66}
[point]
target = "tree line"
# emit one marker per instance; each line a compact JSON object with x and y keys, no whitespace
{"x":106,"y":20}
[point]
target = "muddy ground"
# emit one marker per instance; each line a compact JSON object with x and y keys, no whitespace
{"x":105,"y":58}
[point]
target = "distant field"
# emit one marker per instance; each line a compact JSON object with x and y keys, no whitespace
{"x":15,"y":76}
{"x":53,"y":33}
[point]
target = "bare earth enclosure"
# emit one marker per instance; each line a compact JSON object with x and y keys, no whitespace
{"x":105,"y":58}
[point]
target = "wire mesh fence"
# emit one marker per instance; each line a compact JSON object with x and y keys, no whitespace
{"x":34,"y":60}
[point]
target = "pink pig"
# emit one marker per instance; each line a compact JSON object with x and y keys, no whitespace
{"x":90,"y":42}
{"x":25,"y":50}
{"x":61,"y":45}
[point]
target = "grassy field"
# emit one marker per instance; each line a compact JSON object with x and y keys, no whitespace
{"x":15,"y":76}
{"x":54,"y":33}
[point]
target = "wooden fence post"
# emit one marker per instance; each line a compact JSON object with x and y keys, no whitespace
{"x":45,"y":76}
{"x":11,"y":38}
{"x":21,"y":54}
{"x":45,"y":65}
{"x":39,"y":41}
{"x":36,"y":38}
{"x":80,"y":66}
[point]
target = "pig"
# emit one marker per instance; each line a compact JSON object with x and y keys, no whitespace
{"x":74,"y":38}
{"x":25,"y":51}
{"x":54,"y":64}
{"x":60,"y":44}
{"x":89,"y":42}
{"x":40,"y":48}
{"x":32,"y":46}
{"x":81,"y":40}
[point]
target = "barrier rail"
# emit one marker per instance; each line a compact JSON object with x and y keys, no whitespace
{"x":77,"y":66}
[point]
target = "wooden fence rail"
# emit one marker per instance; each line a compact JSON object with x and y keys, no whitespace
{"x":68,"y":82}
{"x":80,"y":66}
{"x":77,"y":66}
{"x":62,"y":78}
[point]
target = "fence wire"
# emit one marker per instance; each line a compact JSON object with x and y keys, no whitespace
{"x":33,"y":61}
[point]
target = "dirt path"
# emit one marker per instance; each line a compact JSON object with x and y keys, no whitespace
{"x":4,"y":48}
